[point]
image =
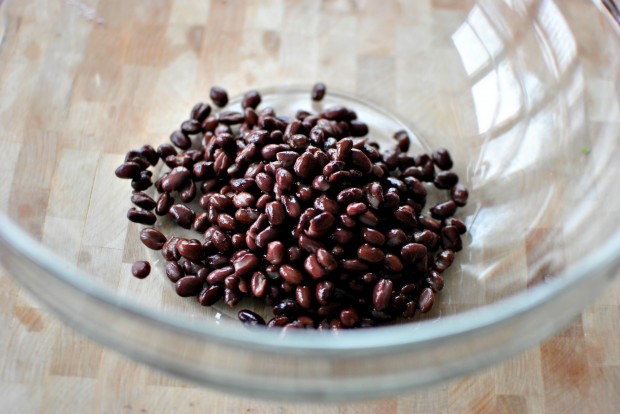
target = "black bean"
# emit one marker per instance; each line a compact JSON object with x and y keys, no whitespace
{"x":358,"y":128}
{"x":413,"y":252}
{"x":443,"y":210}
{"x":284,"y":179}
{"x":355,"y":209}
{"x":373,"y":236}
{"x":426,"y":299}
{"x":188,"y":286}
{"x":318,"y":91}
{"x":459,"y":195}
{"x":251,"y":99}
{"x":369,"y":218}
{"x":191,"y":249}
{"x":258,"y":284}
{"x":403,"y":140}
{"x":291,"y":274}
{"x":219,"y":96}
{"x":435,"y":281}
{"x":343,"y":149}
{"x":200,"y":111}
{"x":174,"y":271}
{"x":182,"y":215}
{"x":443,"y":260}
{"x":231,"y":117}
{"x":152,"y":238}
{"x":392,"y":263}
{"x":128,"y":170}
{"x":382,"y":294}
{"x":445,"y":179}
{"x":451,"y":239}
{"x":305,"y":165}
{"x":180,"y":140}
{"x":246,"y":264}
{"x":191,"y":127}
{"x":141,"y":216}
{"x":169,"y":249}
{"x":442,"y":159}
{"x":361,"y":161}
{"x":141,"y":269}
{"x":291,"y":206}
{"x":427,"y":238}
{"x":143,"y":201}
{"x":210,"y":295}
{"x":219,"y":275}
{"x":370,"y":254}
{"x":247,"y":317}
{"x":177,"y":177}
{"x":453,"y":221}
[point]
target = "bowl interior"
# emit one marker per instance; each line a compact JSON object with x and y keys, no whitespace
{"x":528,"y":117}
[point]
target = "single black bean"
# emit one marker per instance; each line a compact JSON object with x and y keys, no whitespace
{"x":403,"y":140}
{"x":427,"y":238}
{"x":426,"y":299}
{"x":152,"y":238}
{"x":258,"y":284}
{"x":443,"y":210}
{"x":442,"y":159}
{"x":453,"y":221}
{"x":445,"y":179}
{"x":291,"y":275}
{"x":182,"y":215}
{"x":141,"y":269}
{"x":169,"y":249}
{"x":459,"y":195}
{"x":143,"y":201}
{"x":413,"y":252}
{"x":318,"y":91}
{"x":191,"y":249}
{"x":219,"y":96}
{"x":451,"y":239}
{"x":305,"y":165}
{"x":231,"y":117}
{"x":382,"y":294}
{"x":210,"y":295}
{"x":188,"y":286}
{"x":191,"y":127}
{"x":141,"y":216}
{"x":372,"y":236}
{"x":314,"y":269}
{"x":393,"y":263}
{"x":180,"y":140}
{"x":303,"y":296}
{"x":246,"y":264}
{"x":435,"y":280}
{"x":174,"y":271}
{"x":176,"y":179}
{"x":128,"y":170}
{"x":251,"y":99}
{"x":370,"y":254}
{"x":443,"y":260}
{"x":361,"y":161}
{"x":247,"y":317}
{"x":200,"y":111}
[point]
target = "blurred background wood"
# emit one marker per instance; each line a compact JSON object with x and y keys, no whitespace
{"x":45,"y":366}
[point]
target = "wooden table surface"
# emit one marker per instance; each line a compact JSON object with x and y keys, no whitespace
{"x":46,"y":367}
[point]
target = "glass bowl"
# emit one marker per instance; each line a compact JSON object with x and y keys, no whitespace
{"x":523,"y":93}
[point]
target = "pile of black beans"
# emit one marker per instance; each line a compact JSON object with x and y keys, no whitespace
{"x":304,"y":213}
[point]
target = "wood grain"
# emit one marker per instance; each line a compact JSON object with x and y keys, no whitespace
{"x":74,"y":95}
